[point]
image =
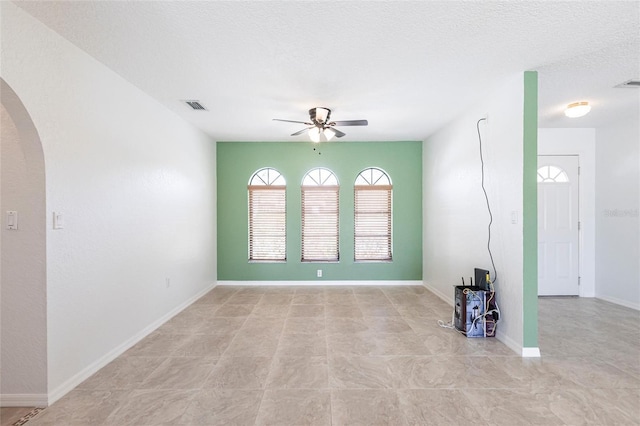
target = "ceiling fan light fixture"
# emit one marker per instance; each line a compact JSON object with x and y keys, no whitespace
{"x":577,"y":109}
{"x":329,"y":133}
{"x":320,"y":128}
{"x":314,"y":134}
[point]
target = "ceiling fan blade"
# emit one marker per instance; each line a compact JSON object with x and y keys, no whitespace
{"x":338,"y":133}
{"x":300,"y":132}
{"x":291,"y":121}
{"x":350,"y":123}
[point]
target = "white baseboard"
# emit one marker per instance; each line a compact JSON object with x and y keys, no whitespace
{"x":24,"y":400}
{"x":625,"y":303}
{"x":448,"y":298}
{"x":80,"y":377}
{"x":510,"y":343}
{"x":319,"y":282}
{"x":530,"y":352}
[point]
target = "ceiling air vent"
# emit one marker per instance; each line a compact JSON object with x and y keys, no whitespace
{"x":195,"y":105}
{"x":630,"y":83}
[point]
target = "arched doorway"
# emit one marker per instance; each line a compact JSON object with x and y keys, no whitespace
{"x":23,"y":325}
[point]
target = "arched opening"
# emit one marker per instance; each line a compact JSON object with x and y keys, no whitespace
{"x":23,"y":325}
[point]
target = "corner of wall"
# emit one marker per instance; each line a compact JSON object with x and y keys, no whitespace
{"x":530,"y":211}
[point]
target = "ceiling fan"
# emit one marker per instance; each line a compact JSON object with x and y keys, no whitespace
{"x":319,"y":127}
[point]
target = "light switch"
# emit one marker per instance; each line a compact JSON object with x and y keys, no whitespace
{"x":514,"y":217}
{"x":58,"y":221}
{"x":12,"y":220}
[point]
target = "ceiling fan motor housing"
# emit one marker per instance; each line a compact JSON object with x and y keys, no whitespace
{"x":319,"y":115}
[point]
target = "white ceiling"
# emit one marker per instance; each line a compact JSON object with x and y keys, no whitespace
{"x":407,"y":67}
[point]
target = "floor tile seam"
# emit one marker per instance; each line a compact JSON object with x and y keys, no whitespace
{"x":432,"y":388}
{"x":112,"y":413}
{"x":146,"y":377}
{"x":232,"y":388}
{"x":268,"y":377}
{"x":273,"y":357}
{"x":226,"y":349}
{"x":170,"y":389}
{"x":326,"y":339}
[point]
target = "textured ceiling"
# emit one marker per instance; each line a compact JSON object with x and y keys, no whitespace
{"x":407,"y":67}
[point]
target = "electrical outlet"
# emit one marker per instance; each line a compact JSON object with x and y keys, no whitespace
{"x":319,"y":273}
{"x":168,"y":282}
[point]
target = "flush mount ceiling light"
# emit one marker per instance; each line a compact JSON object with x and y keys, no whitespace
{"x":577,"y":109}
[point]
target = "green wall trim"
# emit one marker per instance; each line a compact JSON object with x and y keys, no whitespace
{"x":236,"y":163}
{"x":530,"y":212}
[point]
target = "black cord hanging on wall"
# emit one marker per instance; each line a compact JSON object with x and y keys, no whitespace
{"x":486,"y":197}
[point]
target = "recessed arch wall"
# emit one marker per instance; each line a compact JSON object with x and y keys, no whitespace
{"x":23,"y":325}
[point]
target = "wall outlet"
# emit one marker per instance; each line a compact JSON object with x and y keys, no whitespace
{"x":319,"y":273}
{"x":167,"y":282}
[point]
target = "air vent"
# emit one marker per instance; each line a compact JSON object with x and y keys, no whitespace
{"x":630,"y":83}
{"x":196,"y":105}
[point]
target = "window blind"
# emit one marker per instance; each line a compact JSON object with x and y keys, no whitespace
{"x":372,"y":229}
{"x":267,"y":223}
{"x":320,"y":223}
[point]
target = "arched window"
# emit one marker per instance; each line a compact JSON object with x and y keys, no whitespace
{"x":372,"y":216}
{"x":320,"y":216}
{"x":267,"y":216}
{"x":552,"y":174}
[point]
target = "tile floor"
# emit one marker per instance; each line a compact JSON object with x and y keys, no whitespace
{"x":10,"y":416}
{"x":362,"y":356}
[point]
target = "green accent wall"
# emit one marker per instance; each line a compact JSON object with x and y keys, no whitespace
{"x":236,"y":163}
{"x":530,"y":212}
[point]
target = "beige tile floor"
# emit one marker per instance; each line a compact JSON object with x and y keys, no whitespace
{"x":11,"y":415}
{"x":362,"y":356}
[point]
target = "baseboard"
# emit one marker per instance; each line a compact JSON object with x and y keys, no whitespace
{"x":321,"y":282}
{"x":24,"y":400}
{"x":448,"y":298}
{"x":510,"y":343}
{"x":74,"y":381}
{"x":625,"y":303}
{"x":530,"y":352}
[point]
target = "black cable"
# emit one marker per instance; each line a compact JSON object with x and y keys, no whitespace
{"x":486,"y":197}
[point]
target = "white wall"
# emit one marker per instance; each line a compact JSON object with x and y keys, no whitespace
{"x":23,"y":336}
{"x":581,"y":142}
{"x":455,"y":213}
{"x":617,"y":206}
{"x":136,"y":186}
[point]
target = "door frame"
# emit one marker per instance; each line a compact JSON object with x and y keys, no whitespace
{"x":580,"y":142}
{"x":576,"y":158}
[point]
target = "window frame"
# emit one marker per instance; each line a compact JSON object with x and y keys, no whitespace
{"x":551,"y":174}
{"x":367,"y":216}
{"x":269,"y":189}
{"x":322,"y":189}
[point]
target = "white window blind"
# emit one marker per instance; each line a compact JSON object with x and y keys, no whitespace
{"x":372,"y":216}
{"x":320,"y":216}
{"x":267,"y":217}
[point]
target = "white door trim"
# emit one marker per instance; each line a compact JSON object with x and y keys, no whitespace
{"x":579,"y":142}
{"x":567,"y":166}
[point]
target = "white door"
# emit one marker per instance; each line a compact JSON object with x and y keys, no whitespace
{"x":558,"y":230}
